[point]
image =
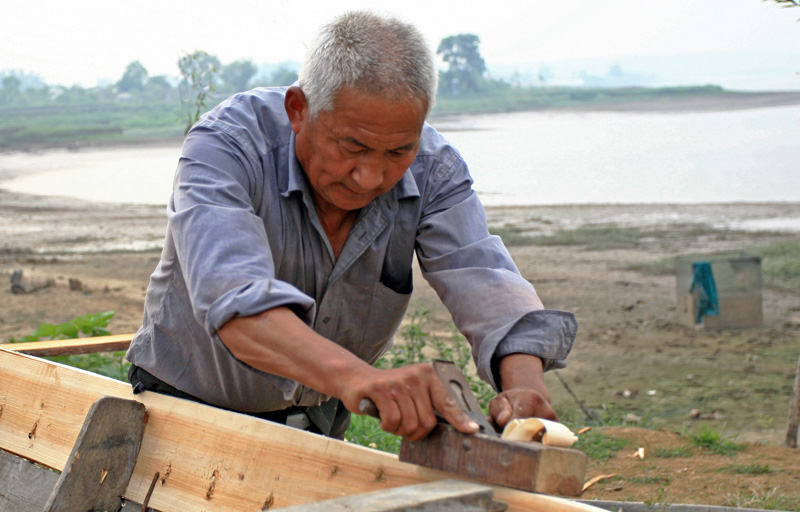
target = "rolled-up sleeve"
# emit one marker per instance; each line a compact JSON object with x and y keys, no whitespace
{"x":221,"y":243}
{"x":495,"y":308}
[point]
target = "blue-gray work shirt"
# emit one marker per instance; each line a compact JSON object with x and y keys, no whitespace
{"x":243,"y":237}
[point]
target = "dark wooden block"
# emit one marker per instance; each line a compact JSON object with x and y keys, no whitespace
{"x":101,"y":462}
{"x":529,"y":466}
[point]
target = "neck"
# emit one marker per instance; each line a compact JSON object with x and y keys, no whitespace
{"x":337,"y":224}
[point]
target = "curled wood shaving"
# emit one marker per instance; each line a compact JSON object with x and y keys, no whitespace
{"x":597,"y":479}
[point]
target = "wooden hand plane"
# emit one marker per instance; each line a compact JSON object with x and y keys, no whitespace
{"x":483,"y":456}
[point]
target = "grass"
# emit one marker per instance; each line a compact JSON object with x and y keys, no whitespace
{"x":418,"y":346}
{"x":709,"y":439}
{"x":764,"y":499}
{"x":672,"y":453}
{"x":750,"y":469}
{"x":780,"y":260}
{"x":598,"y":446}
{"x":780,"y":263}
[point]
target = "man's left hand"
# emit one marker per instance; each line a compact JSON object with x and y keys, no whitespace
{"x":519,"y":403}
{"x":525,"y":394}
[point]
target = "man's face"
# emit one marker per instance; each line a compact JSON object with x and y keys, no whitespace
{"x":359,"y":150}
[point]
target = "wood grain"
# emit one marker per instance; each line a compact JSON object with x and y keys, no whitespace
{"x":208,"y":459}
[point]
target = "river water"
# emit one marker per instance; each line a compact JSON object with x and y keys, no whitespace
{"x":524,"y":158}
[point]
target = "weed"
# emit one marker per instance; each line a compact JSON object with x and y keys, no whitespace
{"x":665,"y":480}
{"x":760,"y":498}
{"x":681,"y":451}
{"x":366,"y":431}
{"x":416,"y":341}
{"x":600,"y":447}
{"x":780,"y":263}
{"x":709,"y":439}
{"x":88,"y":324}
{"x":750,"y":469}
{"x":111,"y":364}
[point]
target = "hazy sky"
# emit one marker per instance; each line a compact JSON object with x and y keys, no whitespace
{"x":744,"y":43}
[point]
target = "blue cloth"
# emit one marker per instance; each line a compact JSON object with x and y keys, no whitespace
{"x":704,"y":290}
{"x":243,"y":237}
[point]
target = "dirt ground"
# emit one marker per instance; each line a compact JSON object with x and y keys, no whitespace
{"x":633,"y":364}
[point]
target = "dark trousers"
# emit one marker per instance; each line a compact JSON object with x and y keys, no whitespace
{"x":330,"y":418}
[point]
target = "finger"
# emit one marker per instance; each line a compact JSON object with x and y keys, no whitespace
{"x":500,"y":410}
{"x":446,"y":404}
{"x":425,"y":415}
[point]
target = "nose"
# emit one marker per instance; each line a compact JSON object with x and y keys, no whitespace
{"x":369,"y":172}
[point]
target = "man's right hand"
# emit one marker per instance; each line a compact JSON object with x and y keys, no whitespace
{"x":406,"y":398}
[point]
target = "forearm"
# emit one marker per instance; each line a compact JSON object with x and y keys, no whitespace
{"x":278,"y":342}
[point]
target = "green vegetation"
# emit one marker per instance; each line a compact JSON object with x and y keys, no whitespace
{"x":88,"y":325}
{"x":780,"y":263}
{"x":750,"y":469}
{"x":598,"y":446}
{"x":780,"y":260}
{"x":709,"y":439}
{"x":418,"y":346}
{"x":111,"y":364}
{"x":762,"y":499}
{"x":681,"y":451}
{"x":512,"y":99}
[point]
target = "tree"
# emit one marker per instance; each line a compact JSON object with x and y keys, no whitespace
{"x":134,"y":78}
{"x":283,"y":75}
{"x":238,"y":74}
{"x":199,"y":71}
{"x":11,"y":93}
{"x":465,"y":66}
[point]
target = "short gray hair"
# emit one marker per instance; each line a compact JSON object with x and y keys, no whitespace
{"x":371,"y":54}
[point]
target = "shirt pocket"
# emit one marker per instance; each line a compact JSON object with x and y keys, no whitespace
{"x":386,"y":310}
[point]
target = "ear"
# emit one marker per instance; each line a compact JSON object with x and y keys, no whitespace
{"x":296,"y":107}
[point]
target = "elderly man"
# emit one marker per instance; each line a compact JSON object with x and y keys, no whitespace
{"x":287,"y":265}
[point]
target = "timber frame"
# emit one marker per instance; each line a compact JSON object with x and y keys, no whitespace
{"x":177,"y":455}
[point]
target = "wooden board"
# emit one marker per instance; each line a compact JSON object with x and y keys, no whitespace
{"x":102,"y":460}
{"x":526,"y":466}
{"x":207,"y":458}
{"x":71,"y":346}
{"x":439,"y":496}
{"x":24,"y":486}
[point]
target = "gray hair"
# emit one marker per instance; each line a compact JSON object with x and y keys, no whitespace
{"x":370,"y":54}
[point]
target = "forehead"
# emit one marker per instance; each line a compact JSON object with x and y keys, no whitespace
{"x":359,"y":114}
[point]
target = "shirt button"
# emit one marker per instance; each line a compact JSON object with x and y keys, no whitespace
{"x":326,"y":320}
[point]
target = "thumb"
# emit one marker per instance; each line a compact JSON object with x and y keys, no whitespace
{"x":501,"y":410}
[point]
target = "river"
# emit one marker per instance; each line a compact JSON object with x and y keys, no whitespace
{"x":523,"y":158}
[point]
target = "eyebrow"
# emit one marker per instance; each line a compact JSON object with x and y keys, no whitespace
{"x":405,"y":147}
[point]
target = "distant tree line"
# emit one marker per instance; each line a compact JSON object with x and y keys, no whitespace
{"x":136,"y":85}
{"x":203,"y":79}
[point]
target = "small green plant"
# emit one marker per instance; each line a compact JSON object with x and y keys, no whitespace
{"x":750,"y":469}
{"x":709,"y":439}
{"x":88,"y":324}
{"x":598,"y":446}
{"x":111,"y":364}
{"x":418,"y":346}
{"x":760,"y":498}
{"x":664,"y":480}
{"x":366,"y":431}
{"x":681,"y":451}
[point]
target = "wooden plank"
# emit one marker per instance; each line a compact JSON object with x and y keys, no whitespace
{"x":442,"y":495}
{"x":24,"y":486}
{"x":207,"y":458}
{"x":100,"y":465}
{"x":526,"y":466}
{"x":71,"y":346}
